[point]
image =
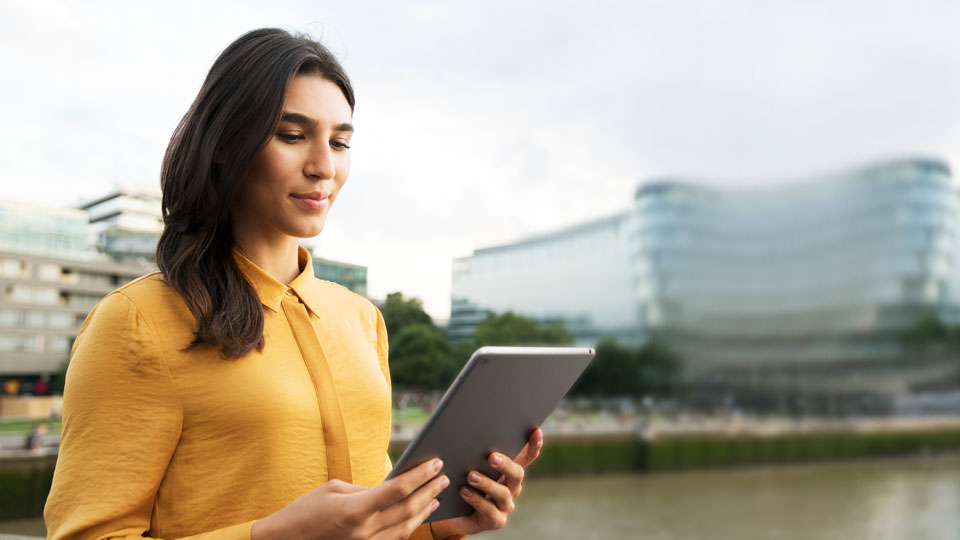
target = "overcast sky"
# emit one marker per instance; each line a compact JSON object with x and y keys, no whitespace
{"x":483,"y":122}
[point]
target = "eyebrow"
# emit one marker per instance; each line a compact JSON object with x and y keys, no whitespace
{"x":306,"y":121}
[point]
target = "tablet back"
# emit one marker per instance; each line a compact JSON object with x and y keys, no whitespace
{"x":498,"y":399}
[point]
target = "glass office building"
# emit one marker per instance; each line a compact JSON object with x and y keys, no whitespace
{"x":351,"y":276}
{"x":40,"y":230}
{"x":126,"y":224}
{"x":795,"y":289}
{"x":807,"y":286}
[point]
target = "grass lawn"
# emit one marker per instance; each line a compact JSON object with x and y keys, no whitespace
{"x":410,"y":415}
{"x":24,"y":426}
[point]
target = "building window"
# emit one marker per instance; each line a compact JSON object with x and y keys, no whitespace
{"x":45,"y":295}
{"x":88,"y":278}
{"x":68,"y":276}
{"x":61,"y":320}
{"x":10,"y":317}
{"x":59,"y":344}
{"x":36,"y":319}
{"x":17,"y":343}
{"x":13,"y":268}
{"x":49,"y":272}
{"x":82,"y":301}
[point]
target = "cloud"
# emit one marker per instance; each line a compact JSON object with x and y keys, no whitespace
{"x":482,"y":122}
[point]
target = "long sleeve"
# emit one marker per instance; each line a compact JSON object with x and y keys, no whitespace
{"x":383,"y":348}
{"x":122,"y":420}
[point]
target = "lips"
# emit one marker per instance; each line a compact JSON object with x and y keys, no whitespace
{"x":314,"y":201}
{"x":313,"y":195}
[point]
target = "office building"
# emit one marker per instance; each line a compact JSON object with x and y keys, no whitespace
{"x":43,"y":302}
{"x":49,"y":281}
{"x":39,"y":230}
{"x":126,"y":224}
{"x":351,"y":276}
{"x":56,"y":264}
{"x":799,"y":288}
{"x":580,"y":275}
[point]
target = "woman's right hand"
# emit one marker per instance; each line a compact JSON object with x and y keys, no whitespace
{"x":337,"y":510}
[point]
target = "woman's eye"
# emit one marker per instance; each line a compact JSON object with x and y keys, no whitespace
{"x":289,"y":137}
{"x":339,"y":145}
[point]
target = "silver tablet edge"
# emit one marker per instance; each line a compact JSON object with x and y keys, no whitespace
{"x":557,"y":351}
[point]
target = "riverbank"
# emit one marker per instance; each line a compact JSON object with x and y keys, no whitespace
{"x":602,"y":449}
{"x":889,"y":498}
{"x":679,"y":446}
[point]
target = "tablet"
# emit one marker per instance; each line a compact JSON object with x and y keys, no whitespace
{"x":496,"y":402}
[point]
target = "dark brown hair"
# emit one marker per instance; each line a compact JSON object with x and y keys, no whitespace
{"x":233,"y":117}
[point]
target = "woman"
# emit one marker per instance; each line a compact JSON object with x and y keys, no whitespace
{"x":233,"y":394}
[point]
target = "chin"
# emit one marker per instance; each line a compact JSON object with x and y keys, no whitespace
{"x":306,"y":232}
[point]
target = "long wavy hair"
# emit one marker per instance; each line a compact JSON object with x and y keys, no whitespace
{"x":233,"y":117}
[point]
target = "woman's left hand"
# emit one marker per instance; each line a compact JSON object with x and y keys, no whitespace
{"x":493,"y":501}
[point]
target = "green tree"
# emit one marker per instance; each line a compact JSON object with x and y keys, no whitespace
{"x":60,"y":377}
{"x":628,"y":371}
{"x":512,"y":329}
{"x":399,"y":312}
{"x":610,"y":363}
{"x":420,"y":358}
{"x":507,"y":329}
{"x":926,"y":332}
{"x":659,"y":369}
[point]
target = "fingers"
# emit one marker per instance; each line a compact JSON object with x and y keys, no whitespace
{"x":343,"y":488}
{"x":497,"y":492}
{"x":512,"y":472}
{"x":416,"y":504}
{"x":404,"y":529}
{"x":531,"y":450}
{"x":399,"y":487}
{"x":488,"y":514}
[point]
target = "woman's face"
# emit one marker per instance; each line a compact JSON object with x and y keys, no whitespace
{"x":293,"y":180}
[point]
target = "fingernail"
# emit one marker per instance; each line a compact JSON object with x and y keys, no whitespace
{"x":434,"y":505}
{"x":437,"y":465}
{"x":466,"y":493}
{"x":474,"y":478}
{"x":444,"y":482}
{"x":495,"y":459}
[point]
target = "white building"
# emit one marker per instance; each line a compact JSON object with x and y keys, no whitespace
{"x":579,"y":275}
{"x":126,"y":224}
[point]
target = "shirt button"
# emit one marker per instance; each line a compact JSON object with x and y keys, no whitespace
{"x":290,"y":292}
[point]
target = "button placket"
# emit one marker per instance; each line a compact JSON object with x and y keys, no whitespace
{"x":331,"y":414}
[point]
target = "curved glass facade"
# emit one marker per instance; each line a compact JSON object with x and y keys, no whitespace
{"x":797,"y":283}
{"x":801,"y":285}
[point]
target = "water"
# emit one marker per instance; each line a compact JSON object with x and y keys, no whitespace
{"x":881,"y":500}
{"x":906,"y":499}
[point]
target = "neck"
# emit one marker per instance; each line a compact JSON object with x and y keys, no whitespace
{"x":276,"y":256}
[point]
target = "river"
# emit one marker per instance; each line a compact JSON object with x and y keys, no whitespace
{"x":905,"y":499}
{"x":902,"y":499}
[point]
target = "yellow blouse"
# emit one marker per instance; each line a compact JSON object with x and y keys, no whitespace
{"x":167,"y":443}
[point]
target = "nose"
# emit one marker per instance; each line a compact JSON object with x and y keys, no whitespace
{"x":320,"y":163}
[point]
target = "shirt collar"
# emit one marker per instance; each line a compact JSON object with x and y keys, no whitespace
{"x":306,"y":286}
